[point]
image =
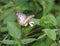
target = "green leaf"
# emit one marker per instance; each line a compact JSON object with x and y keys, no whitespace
{"x":21,"y":8}
{"x":29,"y":40}
{"x":6,"y":13}
{"x":43,"y":42}
{"x":59,"y":41}
{"x":56,"y":7}
{"x":11,"y":17}
{"x":58,"y":21}
{"x":42,"y":36}
{"x":13,"y":30}
{"x":54,"y":44}
{"x":48,"y":21}
{"x":51,"y":33}
{"x":22,"y":5}
{"x":23,"y":41}
{"x":3,"y":29}
{"x":36,"y":21}
{"x":49,"y":5}
{"x":26,"y":30}
{"x":10,"y":4}
{"x":6,"y":1}
{"x":9,"y":42}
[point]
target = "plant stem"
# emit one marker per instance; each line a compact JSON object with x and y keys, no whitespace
{"x":17,"y":42}
{"x":43,"y":4}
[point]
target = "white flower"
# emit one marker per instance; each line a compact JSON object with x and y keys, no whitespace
{"x":31,"y":24}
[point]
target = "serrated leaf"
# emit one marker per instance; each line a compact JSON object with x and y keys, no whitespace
{"x":29,"y":40}
{"x":48,"y":21}
{"x":9,"y":42}
{"x":23,"y":41}
{"x":51,"y":33}
{"x":13,"y":30}
{"x":43,"y":42}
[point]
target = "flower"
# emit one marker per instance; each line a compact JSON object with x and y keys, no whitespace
{"x":31,"y":24}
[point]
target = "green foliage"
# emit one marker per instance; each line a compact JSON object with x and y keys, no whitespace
{"x":43,"y":42}
{"x":13,"y":31}
{"x":46,"y":23}
{"x":50,"y":33}
{"x":26,"y":41}
{"x":58,"y":20}
{"x":10,"y":42}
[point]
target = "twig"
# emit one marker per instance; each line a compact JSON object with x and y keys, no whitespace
{"x":33,"y":31}
{"x":5,"y":38}
{"x":34,"y":35}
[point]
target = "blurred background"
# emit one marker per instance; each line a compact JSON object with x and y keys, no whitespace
{"x":46,"y":29}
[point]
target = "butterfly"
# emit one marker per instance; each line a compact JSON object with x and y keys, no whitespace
{"x":24,"y":20}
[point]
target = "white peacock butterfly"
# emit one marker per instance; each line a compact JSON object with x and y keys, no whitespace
{"x":24,"y":20}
